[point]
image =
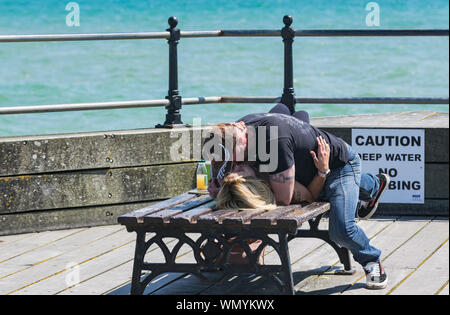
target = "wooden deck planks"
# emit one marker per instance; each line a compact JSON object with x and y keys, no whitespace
{"x":427,"y":278}
{"x":113,"y":271}
{"x":9,"y":239}
{"x":408,"y":256}
{"x":388,"y":239}
{"x":444,"y":290}
{"x":61,"y":283}
{"x":52,"y":250}
{"x":28,"y":244}
{"x":159,"y":282}
{"x":415,"y":254}
{"x":24,"y":281}
{"x":324,"y":260}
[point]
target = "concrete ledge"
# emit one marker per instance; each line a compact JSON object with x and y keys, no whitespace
{"x":94,"y":187}
{"x":82,"y":151}
{"x":73,"y":180}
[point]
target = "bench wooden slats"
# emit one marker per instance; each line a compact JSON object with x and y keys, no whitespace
{"x":215,"y":217}
{"x":294,"y":219}
{"x":269,"y":218}
{"x":136,"y":216}
{"x":197,"y":209}
{"x":242,"y":217}
{"x":163,"y":216}
{"x":190,"y":216}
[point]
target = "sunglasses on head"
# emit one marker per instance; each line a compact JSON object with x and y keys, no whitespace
{"x":225,"y":167}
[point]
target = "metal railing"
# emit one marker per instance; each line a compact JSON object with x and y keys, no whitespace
{"x":173,"y":101}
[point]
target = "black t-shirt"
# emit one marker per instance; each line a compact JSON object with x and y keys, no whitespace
{"x":295,"y":140}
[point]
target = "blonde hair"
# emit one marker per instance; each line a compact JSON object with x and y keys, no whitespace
{"x":225,"y":133}
{"x":245,"y":193}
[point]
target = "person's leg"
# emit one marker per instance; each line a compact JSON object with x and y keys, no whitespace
{"x":280,"y":109}
{"x":369,"y":185}
{"x":342,"y":191}
{"x":370,"y":192}
{"x":302,"y":115}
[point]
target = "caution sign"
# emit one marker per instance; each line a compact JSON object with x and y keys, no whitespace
{"x":400,"y":153}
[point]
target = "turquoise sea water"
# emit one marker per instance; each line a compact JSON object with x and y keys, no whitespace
{"x":98,"y":71}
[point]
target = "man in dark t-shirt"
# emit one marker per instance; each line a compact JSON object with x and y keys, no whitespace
{"x":296,"y":139}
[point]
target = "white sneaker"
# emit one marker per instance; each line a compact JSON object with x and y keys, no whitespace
{"x":376,"y":277}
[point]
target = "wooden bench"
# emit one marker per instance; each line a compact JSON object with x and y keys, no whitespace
{"x":188,"y":213}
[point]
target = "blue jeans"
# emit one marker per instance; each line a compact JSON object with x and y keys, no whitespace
{"x":341,"y":189}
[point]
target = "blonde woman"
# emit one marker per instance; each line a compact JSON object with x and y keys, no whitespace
{"x":239,"y":192}
{"x":243,"y":190}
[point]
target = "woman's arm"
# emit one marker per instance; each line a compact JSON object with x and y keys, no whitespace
{"x":301,"y":193}
{"x":315,"y":187}
{"x":214,"y":187}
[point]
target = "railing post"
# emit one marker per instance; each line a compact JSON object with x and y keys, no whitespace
{"x":288,"y":34}
{"x":173,"y":116}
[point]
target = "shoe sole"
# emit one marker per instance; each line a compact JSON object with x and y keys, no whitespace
{"x":367,"y":217}
{"x":378,"y":286}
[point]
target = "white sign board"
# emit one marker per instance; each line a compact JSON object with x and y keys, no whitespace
{"x":400,"y":153}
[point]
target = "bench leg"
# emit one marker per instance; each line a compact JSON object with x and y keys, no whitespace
{"x":136,"y":286}
{"x":286,"y":264}
{"x":344,"y":257}
{"x":343,"y":253}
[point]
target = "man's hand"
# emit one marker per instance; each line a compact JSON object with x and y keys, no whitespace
{"x":323,"y":155}
{"x":321,"y":162}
